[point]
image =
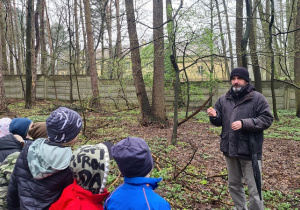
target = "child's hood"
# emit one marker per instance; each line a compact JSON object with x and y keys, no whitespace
{"x":45,"y":160}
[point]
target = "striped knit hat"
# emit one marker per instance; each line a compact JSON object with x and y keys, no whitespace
{"x":63,"y":125}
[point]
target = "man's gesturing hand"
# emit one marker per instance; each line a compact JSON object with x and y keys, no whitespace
{"x":211,"y":112}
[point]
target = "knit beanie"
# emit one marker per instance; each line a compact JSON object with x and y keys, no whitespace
{"x":241,"y":72}
{"x":4,"y":126}
{"x":90,"y":166}
{"x":63,"y":125}
{"x":133,"y":157}
{"x":38,"y":130}
{"x":20,"y":126}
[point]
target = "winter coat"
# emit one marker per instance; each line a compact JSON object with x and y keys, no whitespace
{"x":254,"y":112}
{"x":8,"y":145}
{"x":6,"y":169}
{"x":136,"y":194}
{"x":74,"y":197}
{"x":40,"y":175}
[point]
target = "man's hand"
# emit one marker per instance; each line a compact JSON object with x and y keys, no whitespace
{"x":211,"y":112}
{"x":237,"y":125}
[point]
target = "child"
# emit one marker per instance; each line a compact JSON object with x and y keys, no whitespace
{"x":14,"y":143}
{"x":42,"y":169}
{"x":20,"y":126}
{"x":135,"y":163}
{"x":90,"y":167}
{"x":38,"y":130}
{"x":4,"y":126}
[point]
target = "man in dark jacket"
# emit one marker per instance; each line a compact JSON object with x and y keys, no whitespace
{"x":242,"y":112}
{"x":42,"y":170}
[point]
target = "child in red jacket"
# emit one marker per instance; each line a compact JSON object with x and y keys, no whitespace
{"x":90,"y":167}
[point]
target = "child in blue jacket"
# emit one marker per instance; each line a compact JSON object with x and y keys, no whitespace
{"x":135,"y":163}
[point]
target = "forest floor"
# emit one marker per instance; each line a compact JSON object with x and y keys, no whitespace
{"x":193,"y":171}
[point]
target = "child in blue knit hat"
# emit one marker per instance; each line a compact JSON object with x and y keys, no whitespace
{"x":135,"y":162}
{"x":42,"y":169}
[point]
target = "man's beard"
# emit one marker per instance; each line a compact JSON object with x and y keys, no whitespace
{"x":236,"y":89}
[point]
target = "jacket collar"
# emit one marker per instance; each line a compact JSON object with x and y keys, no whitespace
{"x":153,"y":182}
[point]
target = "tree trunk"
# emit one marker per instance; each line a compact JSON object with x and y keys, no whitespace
{"x":3,"y":104}
{"x":119,"y":41}
{"x":42,"y":39}
{"x":227,"y":72}
{"x":253,"y":50}
{"x":91,"y":52}
{"x":110,"y":48}
{"x":85,"y":56}
{"x":19,"y":59}
{"x":10,"y":37}
{"x":51,"y":69}
{"x":70,"y":52}
{"x":239,"y":31}
{"x":272,"y":63}
{"x":77,"y":47}
{"x":158,"y":96}
{"x":36,"y":47}
{"x":246,"y":35}
{"x":229,"y":36}
{"x":263,"y":17}
{"x":28,"y":99}
{"x":297,"y":60}
{"x":136,"y":63}
{"x":5,"y":70}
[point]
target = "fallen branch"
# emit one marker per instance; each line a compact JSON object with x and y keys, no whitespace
{"x":194,"y":152}
{"x":198,"y":110}
{"x":112,"y":184}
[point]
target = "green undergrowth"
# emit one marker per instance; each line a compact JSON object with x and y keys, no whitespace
{"x":188,"y":189}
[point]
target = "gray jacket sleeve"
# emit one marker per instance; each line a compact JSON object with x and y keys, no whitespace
{"x":263,"y":119}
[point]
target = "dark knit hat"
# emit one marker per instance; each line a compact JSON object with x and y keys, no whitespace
{"x":133,"y":157}
{"x":241,"y":72}
{"x":20,"y":126}
{"x":63,"y":125}
{"x":38,"y":130}
{"x":90,"y":166}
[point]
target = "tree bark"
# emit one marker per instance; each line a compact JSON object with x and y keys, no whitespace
{"x":110,"y":48}
{"x":158,"y":96}
{"x":229,"y":36}
{"x":5,"y":70}
{"x":239,"y":31}
{"x":28,"y":98}
{"x":272,"y":63}
{"x":136,"y":62}
{"x":246,"y":35}
{"x":3,"y":104}
{"x":119,"y":41}
{"x":42,"y":39}
{"x":297,"y":60}
{"x":85,"y":56}
{"x":227,"y":72}
{"x":91,"y":52}
{"x":263,"y":17}
{"x":19,"y":59}
{"x":253,"y":50}
{"x":77,"y":47}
